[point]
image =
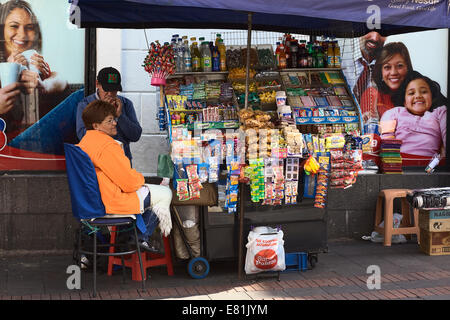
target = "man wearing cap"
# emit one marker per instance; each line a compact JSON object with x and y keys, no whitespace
{"x":128,"y":127}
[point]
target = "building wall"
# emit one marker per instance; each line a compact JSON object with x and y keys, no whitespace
{"x":35,"y":210}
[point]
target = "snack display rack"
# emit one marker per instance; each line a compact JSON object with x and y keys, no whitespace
{"x":264,"y":170}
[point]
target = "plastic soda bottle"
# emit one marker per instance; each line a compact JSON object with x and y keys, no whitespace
{"x":319,"y":58}
{"x":206,"y":57}
{"x":222,"y":55}
{"x":218,"y":37}
{"x":282,"y":58}
{"x":215,"y":59}
{"x":303,"y":56}
{"x":330,"y":55}
{"x":187,"y":58}
{"x":180,"y":63}
{"x":193,"y":39}
{"x":196,"y":58}
{"x":277,"y":54}
{"x":337,"y":55}
{"x":174,"y":45}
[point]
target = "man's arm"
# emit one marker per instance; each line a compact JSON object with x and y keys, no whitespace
{"x":81,"y":129}
{"x":128,"y":122}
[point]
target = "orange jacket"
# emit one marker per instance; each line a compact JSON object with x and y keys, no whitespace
{"x":117,"y":181}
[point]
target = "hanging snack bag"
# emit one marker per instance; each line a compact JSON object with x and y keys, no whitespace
{"x":183,"y":189}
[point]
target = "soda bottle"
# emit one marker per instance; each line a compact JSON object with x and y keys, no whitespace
{"x":196,"y":58}
{"x":218,"y":37}
{"x":215,"y":59}
{"x":287,"y":51}
{"x":180,"y":63}
{"x":277,"y":54}
{"x":174,"y":45}
{"x":187,"y":58}
{"x":283,"y":62}
{"x":337,"y":55}
{"x":324,"y":52}
{"x":222,"y":55}
{"x":193,"y":39}
{"x":206,"y":57}
{"x":294,"y":55}
{"x":309,"y":47}
{"x":330,"y":55}
{"x":320,"y":57}
{"x":303,"y":55}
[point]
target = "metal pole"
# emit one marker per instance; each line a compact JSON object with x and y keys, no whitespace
{"x":241,"y":231}
{"x":241,"y":186}
{"x":90,"y":60}
{"x":247,"y":67}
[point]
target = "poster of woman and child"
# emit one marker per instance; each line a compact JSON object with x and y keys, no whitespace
{"x":397,"y":101}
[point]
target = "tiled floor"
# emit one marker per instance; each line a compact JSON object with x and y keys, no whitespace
{"x":340,"y":274}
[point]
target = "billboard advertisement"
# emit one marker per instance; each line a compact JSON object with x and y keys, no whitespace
{"x":41,"y":74}
{"x":402,"y":96}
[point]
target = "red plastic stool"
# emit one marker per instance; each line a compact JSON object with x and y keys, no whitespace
{"x":148,"y":259}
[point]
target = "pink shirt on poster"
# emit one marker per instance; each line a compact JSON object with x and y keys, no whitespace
{"x":420,"y":135}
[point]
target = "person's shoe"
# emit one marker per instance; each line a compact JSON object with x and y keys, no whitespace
{"x":84,"y":262}
{"x":145,"y":246}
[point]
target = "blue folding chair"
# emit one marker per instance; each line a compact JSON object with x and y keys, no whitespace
{"x":88,"y":208}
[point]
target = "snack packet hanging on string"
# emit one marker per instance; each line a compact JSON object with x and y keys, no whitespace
{"x":183,"y":189}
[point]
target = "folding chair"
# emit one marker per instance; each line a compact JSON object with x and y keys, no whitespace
{"x":88,"y":208}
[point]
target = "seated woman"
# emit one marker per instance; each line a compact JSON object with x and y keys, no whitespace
{"x":123,"y":189}
{"x":422,"y":123}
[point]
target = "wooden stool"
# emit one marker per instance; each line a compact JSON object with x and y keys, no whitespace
{"x":388,"y":195}
{"x":148,"y":260}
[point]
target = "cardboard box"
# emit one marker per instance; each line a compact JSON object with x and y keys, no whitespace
{"x":435,"y":243}
{"x":435,"y":220}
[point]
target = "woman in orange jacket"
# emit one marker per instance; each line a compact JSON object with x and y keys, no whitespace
{"x":122,"y":188}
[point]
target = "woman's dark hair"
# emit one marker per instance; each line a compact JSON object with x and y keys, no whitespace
{"x":6,"y":9}
{"x":438,"y":99}
{"x":386,"y":54}
{"x":96,"y":112}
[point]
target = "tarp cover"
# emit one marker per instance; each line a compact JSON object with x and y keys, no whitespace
{"x":343,"y":18}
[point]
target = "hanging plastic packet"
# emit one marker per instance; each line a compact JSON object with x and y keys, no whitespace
{"x":183,"y":189}
{"x":203,"y":169}
{"x":213,"y":173}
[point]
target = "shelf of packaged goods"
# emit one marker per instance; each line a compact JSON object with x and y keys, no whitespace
{"x":209,"y":125}
{"x":327,"y":120}
{"x":309,"y":69}
{"x":181,"y":74}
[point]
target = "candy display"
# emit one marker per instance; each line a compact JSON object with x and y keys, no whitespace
{"x":159,"y":62}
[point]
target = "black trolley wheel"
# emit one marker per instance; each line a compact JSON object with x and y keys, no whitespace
{"x":312,"y":259}
{"x":198,"y":268}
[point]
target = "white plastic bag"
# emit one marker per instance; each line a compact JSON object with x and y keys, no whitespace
{"x":396,"y":238}
{"x":265,"y":251}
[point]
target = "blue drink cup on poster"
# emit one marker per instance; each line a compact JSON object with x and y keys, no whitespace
{"x":9,"y":73}
{"x":28,"y":54}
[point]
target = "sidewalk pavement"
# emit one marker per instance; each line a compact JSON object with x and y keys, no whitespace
{"x":340,"y":274}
